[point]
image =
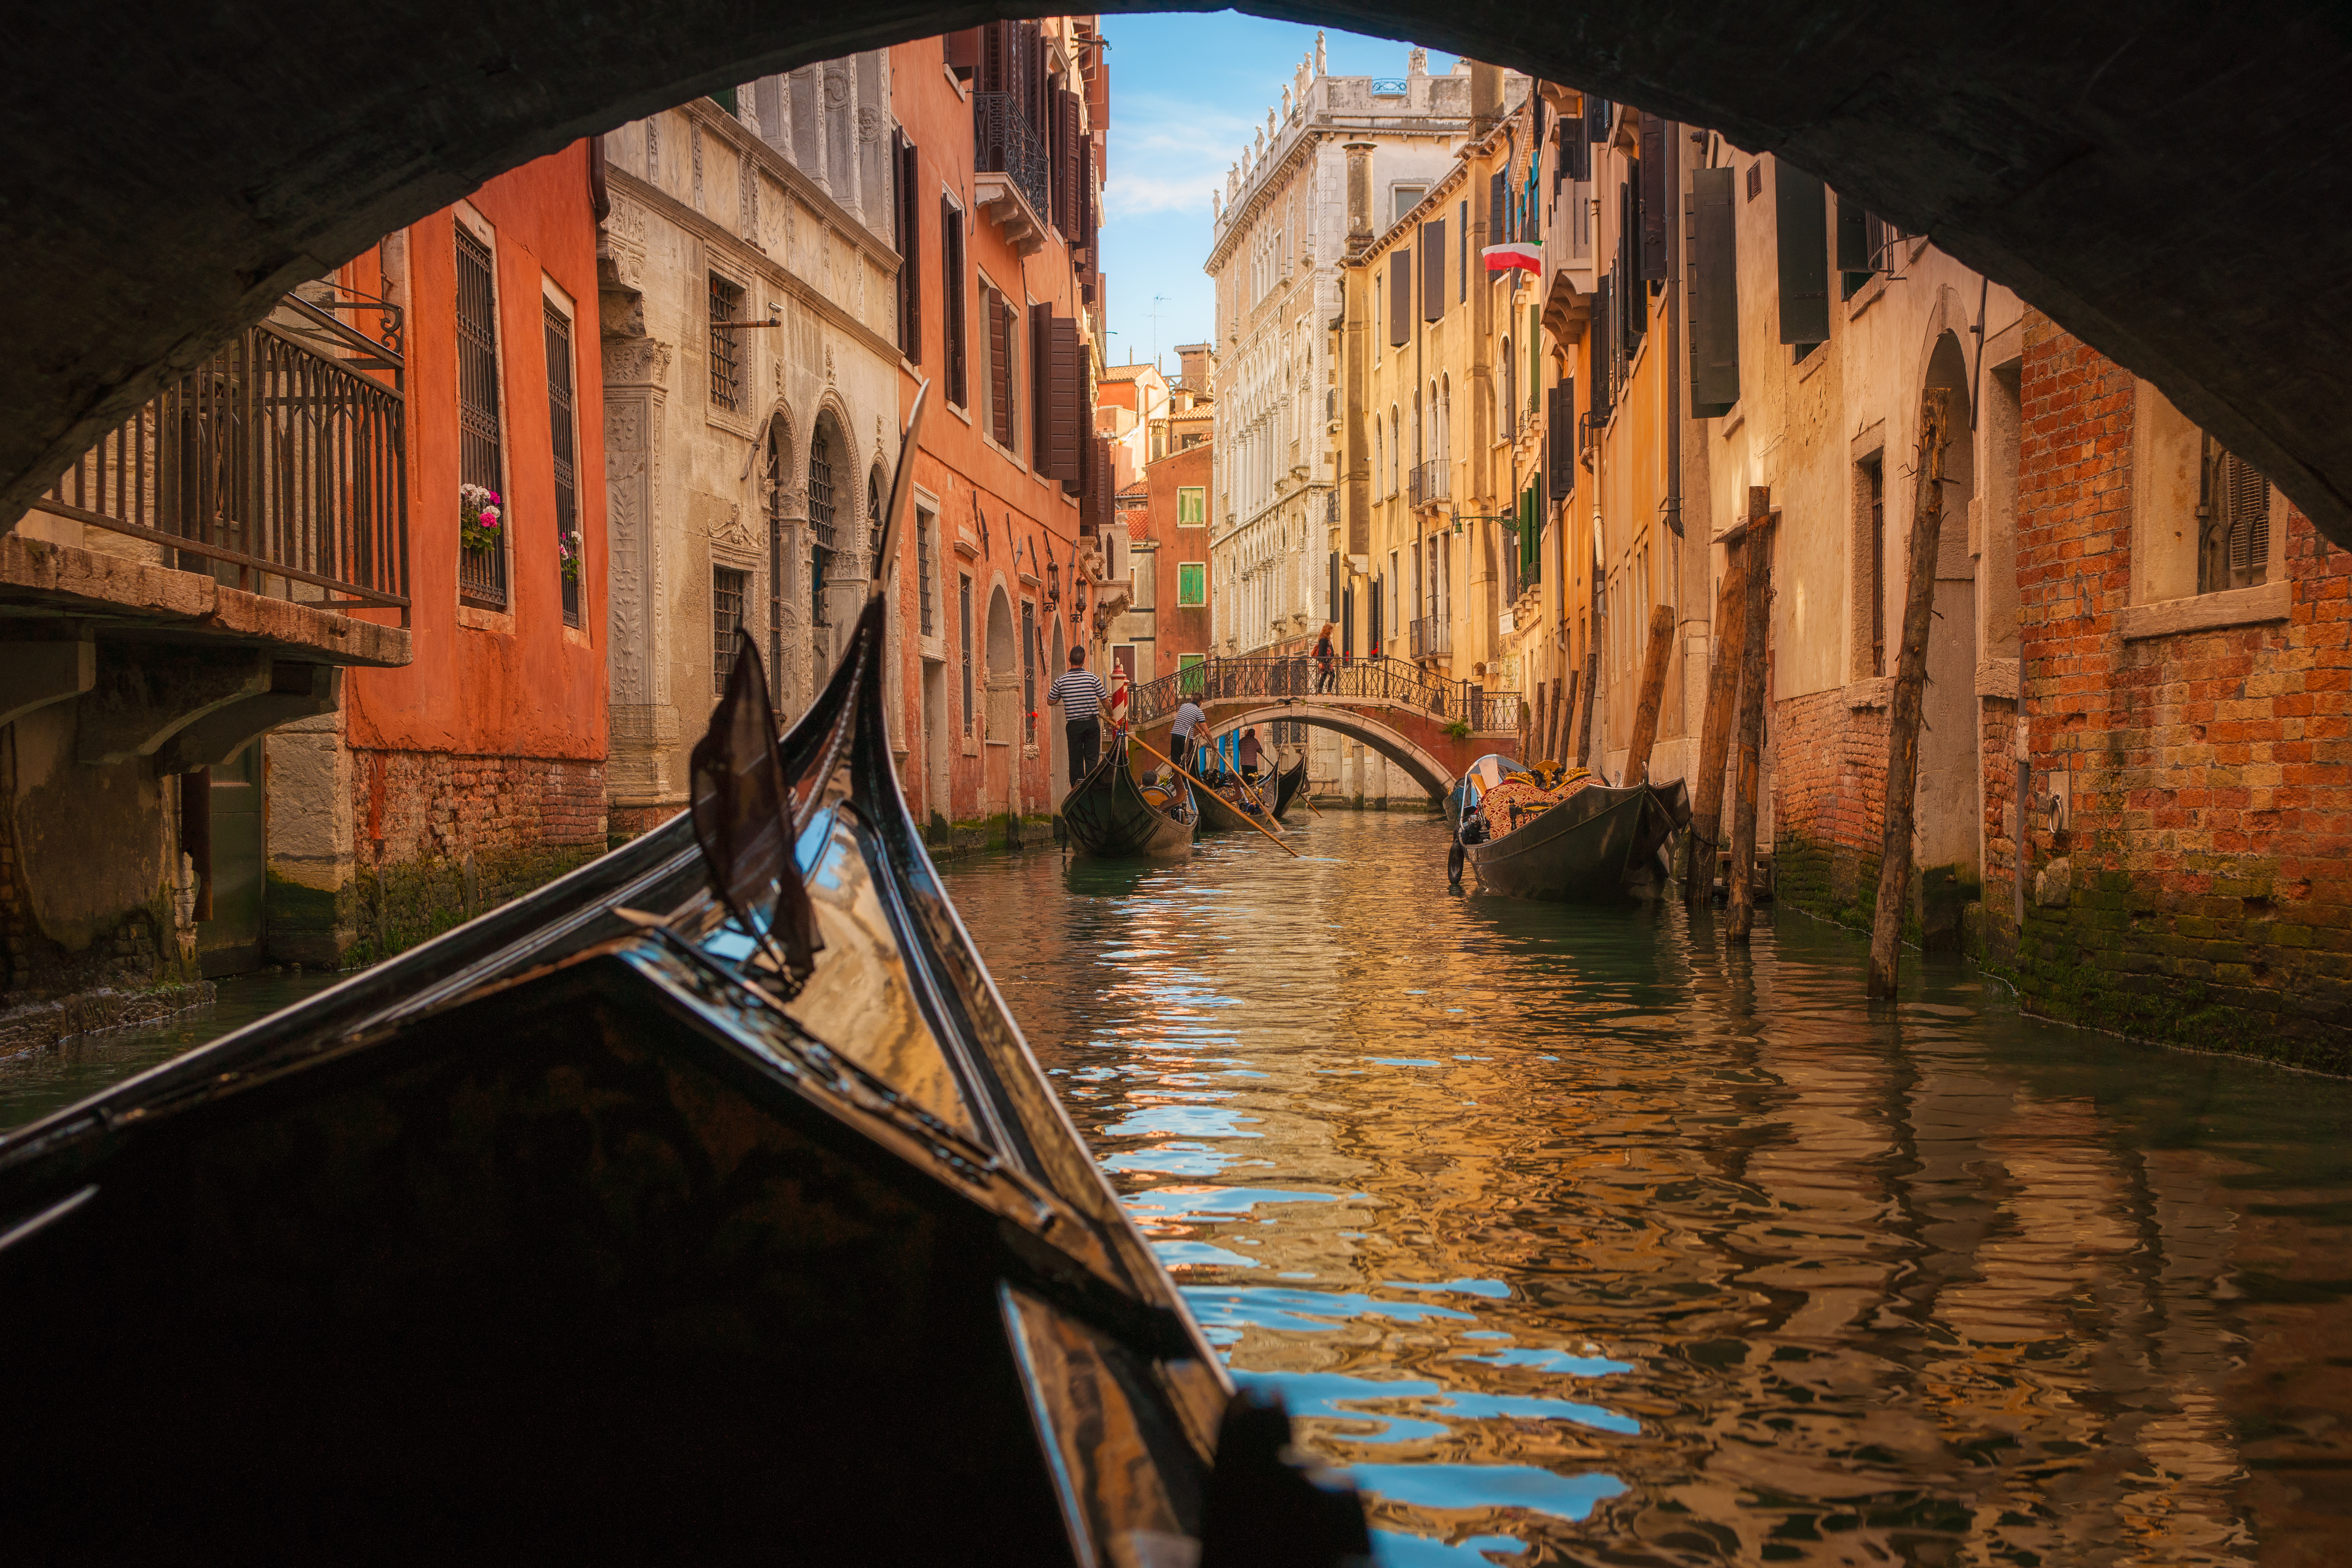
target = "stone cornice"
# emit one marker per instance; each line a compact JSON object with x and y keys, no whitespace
{"x":785,"y":280}
{"x":712,"y":118}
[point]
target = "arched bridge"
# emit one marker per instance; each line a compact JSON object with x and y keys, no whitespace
{"x":1432,"y":729}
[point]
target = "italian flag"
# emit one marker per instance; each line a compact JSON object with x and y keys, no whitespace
{"x":1525,"y":255}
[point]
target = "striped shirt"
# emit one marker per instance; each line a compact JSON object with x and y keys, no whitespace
{"x":1080,"y":693}
{"x":1186,"y":716}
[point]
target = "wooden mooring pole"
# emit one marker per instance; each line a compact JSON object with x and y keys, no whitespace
{"x":1652,"y":696}
{"x":1754,"y":673}
{"x":1910,"y":695}
{"x":1592,"y":677}
{"x":1722,"y":710}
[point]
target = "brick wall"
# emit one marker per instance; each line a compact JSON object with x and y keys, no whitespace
{"x":1829,"y":763}
{"x":2200,"y":891}
{"x":439,"y":838}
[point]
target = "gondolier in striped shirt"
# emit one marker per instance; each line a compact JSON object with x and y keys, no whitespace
{"x":1079,"y":693}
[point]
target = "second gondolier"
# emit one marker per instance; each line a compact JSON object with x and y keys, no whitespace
{"x":1078,"y":692}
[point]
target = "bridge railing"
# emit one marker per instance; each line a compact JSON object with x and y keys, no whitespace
{"x":1295,"y":678}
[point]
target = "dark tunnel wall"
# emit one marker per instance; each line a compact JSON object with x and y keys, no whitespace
{"x":2167,"y":180}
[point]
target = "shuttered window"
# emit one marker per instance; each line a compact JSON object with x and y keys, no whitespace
{"x":910,"y":252}
{"x":1714,"y":294}
{"x":1191,"y":506}
{"x":951,"y":306}
{"x":2235,"y":545}
{"x":963,"y":624}
{"x":1432,"y":271}
{"x":1559,"y":440}
{"x":1603,"y":391}
{"x":1462,"y":228}
{"x":1800,"y":221}
{"x":1000,"y":322}
{"x":1192,"y":584}
{"x":1499,"y":206}
{"x":1069,"y":387}
{"x":1400,"y":298}
{"x":1652,"y":191}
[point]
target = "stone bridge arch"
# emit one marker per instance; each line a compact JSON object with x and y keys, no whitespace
{"x":1433,"y":760}
{"x":2055,"y":159}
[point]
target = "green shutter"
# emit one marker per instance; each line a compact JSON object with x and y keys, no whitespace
{"x":1192,"y":584}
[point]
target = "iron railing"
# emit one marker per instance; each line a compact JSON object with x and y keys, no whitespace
{"x":1429,"y":483}
{"x":279,"y":464}
{"x":1430,"y":636}
{"x":1004,"y":142}
{"x":1295,"y":678}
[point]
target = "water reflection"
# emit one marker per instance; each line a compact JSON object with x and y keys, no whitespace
{"x":1581,"y":1241}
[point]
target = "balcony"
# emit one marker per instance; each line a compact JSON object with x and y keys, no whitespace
{"x":278,"y":466}
{"x":1426,"y":484}
{"x":1430,"y":636}
{"x":1011,"y":172}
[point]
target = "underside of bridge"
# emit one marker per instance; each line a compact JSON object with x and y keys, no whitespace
{"x":1427,"y":769}
{"x":2166,"y":179}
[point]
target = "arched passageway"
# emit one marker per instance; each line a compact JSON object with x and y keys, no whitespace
{"x":175,"y":170}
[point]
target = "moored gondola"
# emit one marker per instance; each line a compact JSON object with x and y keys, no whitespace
{"x":1577,"y":840}
{"x":706,"y":1205}
{"x":1107,"y":812}
{"x":1288,"y":784}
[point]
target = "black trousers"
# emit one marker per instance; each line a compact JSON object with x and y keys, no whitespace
{"x":1179,"y":750}
{"x":1086,"y":745}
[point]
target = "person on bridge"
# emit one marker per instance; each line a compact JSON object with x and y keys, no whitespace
{"x":1078,"y":692}
{"x":1180,"y":735}
{"x":1327,"y":677}
{"x":1250,"y":752}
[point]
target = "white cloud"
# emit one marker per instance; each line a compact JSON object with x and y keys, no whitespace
{"x":1167,"y":154}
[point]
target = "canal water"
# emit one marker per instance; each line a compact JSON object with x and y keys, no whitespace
{"x":1578,"y":1241}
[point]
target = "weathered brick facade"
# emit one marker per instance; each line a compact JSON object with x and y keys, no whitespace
{"x":2198,"y":890}
{"x":1829,"y":771}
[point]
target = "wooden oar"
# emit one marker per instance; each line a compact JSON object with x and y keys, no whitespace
{"x":1172,"y":763}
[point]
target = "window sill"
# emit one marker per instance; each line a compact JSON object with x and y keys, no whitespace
{"x":2205,"y":612}
{"x":577,"y":636}
{"x":1812,"y":364}
{"x":1867,"y":296}
{"x":482,"y":618}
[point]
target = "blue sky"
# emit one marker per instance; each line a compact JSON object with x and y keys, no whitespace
{"x":1186,"y":91}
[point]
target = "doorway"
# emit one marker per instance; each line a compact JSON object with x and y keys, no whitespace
{"x":231,"y":941}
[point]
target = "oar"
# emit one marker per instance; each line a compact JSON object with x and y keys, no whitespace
{"x":1171,"y":763}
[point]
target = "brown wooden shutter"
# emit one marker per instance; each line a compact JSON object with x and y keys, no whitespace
{"x":1400,"y":298}
{"x":1041,"y":387}
{"x":951,"y":304}
{"x":1714,"y":294}
{"x":1602,"y":380}
{"x":963,"y":52}
{"x":911,"y":248}
{"x":1656,"y":206}
{"x":1432,"y":271}
{"x":1086,"y":213}
{"x":1499,"y":208}
{"x":1069,"y":372}
{"x":1801,"y":214}
{"x":1066,"y":161}
{"x":999,"y":365}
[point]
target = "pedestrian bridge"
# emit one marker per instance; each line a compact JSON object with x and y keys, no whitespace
{"x":1432,"y":730}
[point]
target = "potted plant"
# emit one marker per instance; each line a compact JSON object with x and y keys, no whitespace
{"x":479,"y":516}
{"x":567,"y":551}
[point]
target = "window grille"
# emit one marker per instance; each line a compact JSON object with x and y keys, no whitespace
{"x":726,"y":343}
{"x":923,"y":571}
{"x":822,"y":538}
{"x":874,"y":518}
{"x":569,"y":560}
{"x":963,"y":610}
{"x":726,"y":585}
{"x":482,"y":574}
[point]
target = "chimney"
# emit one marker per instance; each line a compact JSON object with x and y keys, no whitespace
{"x":1199,"y":375}
{"x":1485,"y":96}
{"x":1359,"y":193}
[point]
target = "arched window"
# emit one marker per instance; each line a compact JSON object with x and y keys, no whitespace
{"x":822,"y":539}
{"x":875,"y":520}
{"x":1445,"y":418}
{"x":1379,"y":457}
{"x":1396,"y":449}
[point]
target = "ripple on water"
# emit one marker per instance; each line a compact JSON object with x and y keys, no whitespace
{"x":1913,"y":1284}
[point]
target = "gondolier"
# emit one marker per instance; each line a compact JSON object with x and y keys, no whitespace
{"x":1189,"y":717}
{"x":1078,"y":692}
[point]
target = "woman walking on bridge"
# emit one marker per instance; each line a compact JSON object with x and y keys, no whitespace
{"x":1326,"y":679}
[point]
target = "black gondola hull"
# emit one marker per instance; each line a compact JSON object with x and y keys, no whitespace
{"x":559,"y":1237}
{"x":1107,"y":814}
{"x":1597,"y":846}
{"x":1288,"y":784}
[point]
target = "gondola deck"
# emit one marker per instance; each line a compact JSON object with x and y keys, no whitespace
{"x":1107,"y":812}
